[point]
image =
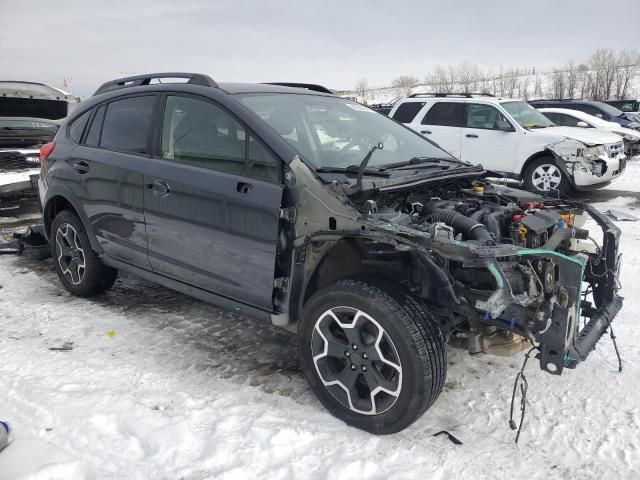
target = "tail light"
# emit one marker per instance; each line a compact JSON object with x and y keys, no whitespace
{"x":45,"y":151}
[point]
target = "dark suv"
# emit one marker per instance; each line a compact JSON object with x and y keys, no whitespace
{"x":317,"y":214}
{"x":597,"y":109}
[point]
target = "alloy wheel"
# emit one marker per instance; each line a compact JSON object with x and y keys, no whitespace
{"x":71,"y":258}
{"x":356,"y":360}
{"x":546,"y":177}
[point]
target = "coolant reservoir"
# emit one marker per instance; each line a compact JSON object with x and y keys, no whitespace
{"x":582,"y":246}
{"x":579,"y":221}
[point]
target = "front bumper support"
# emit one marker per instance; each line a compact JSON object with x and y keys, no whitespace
{"x":586,"y":340}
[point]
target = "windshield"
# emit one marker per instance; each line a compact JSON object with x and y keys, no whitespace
{"x":12,"y":123}
{"x":526,"y":115}
{"x":333,"y":132}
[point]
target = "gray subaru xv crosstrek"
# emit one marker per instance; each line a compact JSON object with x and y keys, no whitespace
{"x":315,"y":213}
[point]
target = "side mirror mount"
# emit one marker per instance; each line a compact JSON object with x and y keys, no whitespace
{"x":504,"y":126}
{"x":582,"y":124}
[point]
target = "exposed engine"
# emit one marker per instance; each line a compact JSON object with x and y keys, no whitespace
{"x":485,"y":213}
{"x":510,"y":283}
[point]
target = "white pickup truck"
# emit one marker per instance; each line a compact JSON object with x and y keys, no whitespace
{"x":511,"y":137}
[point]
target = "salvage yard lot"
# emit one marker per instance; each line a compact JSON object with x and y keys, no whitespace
{"x":143,"y":382}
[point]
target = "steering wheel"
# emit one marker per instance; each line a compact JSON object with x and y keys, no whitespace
{"x":364,"y":146}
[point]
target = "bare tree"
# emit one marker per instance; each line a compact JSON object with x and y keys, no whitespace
{"x":571,"y":77}
{"x":558,"y":83}
{"x":404,"y":84}
{"x":467,"y":76}
{"x":628,"y":69}
{"x":583,"y":79}
{"x":603,"y":62}
{"x":440,"y":80}
{"x":362,"y":89}
{"x":537,"y":86}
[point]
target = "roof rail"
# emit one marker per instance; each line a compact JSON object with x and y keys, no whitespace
{"x":466,"y":95}
{"x":137,"y":80}
{"x":308,"y":86}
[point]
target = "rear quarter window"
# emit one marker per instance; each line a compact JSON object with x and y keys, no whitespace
{"x":78,"y":125}
{"x":406,"y":112}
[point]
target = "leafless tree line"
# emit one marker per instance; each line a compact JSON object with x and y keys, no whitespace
{"x":606,"y":75}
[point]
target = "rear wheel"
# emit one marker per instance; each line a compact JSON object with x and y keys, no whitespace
{"x":544,"y":175}
{"x":372,"y":354}
{"x":78,"y":266}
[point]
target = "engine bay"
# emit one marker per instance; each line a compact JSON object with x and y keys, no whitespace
{"x":528,"y":273}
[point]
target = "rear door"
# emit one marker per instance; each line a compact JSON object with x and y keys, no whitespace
{"x":109,"y":181}
{"x":212,"y":202}
{"x":442,"y":124}
{"x":483,"y":142}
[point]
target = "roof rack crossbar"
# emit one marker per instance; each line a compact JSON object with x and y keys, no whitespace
{"x":452,"y":94}
{"x":137,"y":80}
{"x":307,"y":86}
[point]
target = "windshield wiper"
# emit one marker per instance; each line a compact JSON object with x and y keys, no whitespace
{"x":363,"y":165}
{"x":418,"y":161}
{"x":352,"y":169}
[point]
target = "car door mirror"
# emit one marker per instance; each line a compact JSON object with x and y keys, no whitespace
{"x":582,"y":124}
{"x":503,"y":126}
{"x":599,"y":115}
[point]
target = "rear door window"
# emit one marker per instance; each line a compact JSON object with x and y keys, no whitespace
{"x":448,"y":114}
{"x":591,"y":110}
{"x":562,"y":119}
{"x":407,"y":111}
{"x":127,"y":123}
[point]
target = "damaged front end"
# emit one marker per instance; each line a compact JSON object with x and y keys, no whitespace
{"x":505,"y":269}
{"x":589,"y":166}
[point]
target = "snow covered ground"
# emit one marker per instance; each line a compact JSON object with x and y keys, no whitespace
{"x":146,"y":383}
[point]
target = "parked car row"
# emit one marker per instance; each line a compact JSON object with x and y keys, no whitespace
{"x":319,"y":215}
{"x":30,"y":114}
{"x":514,"y":139}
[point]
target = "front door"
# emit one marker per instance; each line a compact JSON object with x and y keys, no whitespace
{"x":489,"y":139}
{"x":212,"y":203}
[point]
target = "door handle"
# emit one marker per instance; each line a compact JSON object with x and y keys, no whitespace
{"x":159,"y":188}
{"x":81,"y":167}
{"x":428,"y":132}
{"x":243,"y":187}
{"x":471,"y":135}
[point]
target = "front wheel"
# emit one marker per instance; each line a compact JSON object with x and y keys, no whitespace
{"x":372,"y":354}
{"x":544,"y":175}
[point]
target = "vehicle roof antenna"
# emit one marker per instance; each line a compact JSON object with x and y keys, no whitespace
{"x":363,"y":165}
{"x":521,"y":379}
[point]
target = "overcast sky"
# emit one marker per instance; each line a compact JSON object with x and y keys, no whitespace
{"x":329,"y":42}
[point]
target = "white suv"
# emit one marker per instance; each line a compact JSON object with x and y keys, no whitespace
{"x":513,"y":138}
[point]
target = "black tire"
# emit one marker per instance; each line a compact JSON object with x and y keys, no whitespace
{"x":416,"y":340}
{"x":530,"y":175}
{"x":92,"y":279}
